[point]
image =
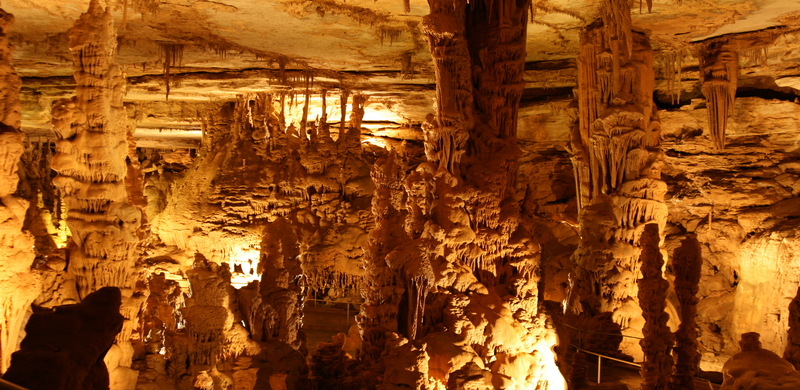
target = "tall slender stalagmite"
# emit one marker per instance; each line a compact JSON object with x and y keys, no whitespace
{"x":688,"y":263}
{"x":92,"y":148}
{"x":617,"y":159}
{"x":657,"y":343}
{"x":19,"y":286}
{"x":453,"y":269}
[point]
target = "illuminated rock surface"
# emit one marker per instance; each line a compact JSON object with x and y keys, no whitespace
{"x":450,"y":175}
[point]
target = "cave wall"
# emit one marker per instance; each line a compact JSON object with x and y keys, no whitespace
{"x":468,"y":217}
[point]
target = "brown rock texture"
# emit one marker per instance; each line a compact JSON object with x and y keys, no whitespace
{"x":756,"y":367}
{"x":258,"y":156}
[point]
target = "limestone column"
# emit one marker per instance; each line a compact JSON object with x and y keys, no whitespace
{"x":19,"y":286}
{"x":451,"y":256}
{"x":687,"y":262}
{"x":657,"y":343}
{"x":617,"y":160}
{"x":92,"y":148}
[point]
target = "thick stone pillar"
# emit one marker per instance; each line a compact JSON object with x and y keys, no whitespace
{"x":19,"y":286}
{"x":92,"y":149}
{"x":451,"y":256}
{"x":617,"y":159}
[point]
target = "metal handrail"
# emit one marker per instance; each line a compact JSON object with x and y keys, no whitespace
{"x":6,"y":385}
{"x":605,"y":334}
{"x":600,"y":357}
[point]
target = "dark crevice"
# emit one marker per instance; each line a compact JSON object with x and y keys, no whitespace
{"x":785,"y":94}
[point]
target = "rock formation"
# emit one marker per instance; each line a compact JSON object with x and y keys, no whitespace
{"x":687,"y":261}
{"x":295,"y":172}
{"x":757,"y":368}
{"x":719,"y":66}
{"x":657,"y":343}
{"x":93,"y":176}
{"x":451,"y":294}
{"x":19,"y":286}
{"x":617,"y":162}
{"x":792,"y":352}
{"x":64,"y":348}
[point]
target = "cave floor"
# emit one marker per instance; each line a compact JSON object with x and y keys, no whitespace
{"x":320,"y":323}
{"x":613,"y":374}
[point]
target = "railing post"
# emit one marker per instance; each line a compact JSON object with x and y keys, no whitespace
{"x":599,"y":362}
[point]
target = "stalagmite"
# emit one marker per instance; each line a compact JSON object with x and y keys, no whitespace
{"x":19,"y":286}
{"x":657,"y":343}
{"x":687,"y":262}
{"x":617,"y":160}
{"x":91,"y":156}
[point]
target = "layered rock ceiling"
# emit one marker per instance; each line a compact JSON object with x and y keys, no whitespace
{"x":482,"y":181}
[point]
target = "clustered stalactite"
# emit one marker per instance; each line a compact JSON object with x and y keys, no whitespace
{"x":720,"y":73}
{"x":449,"y":239}
{"x":19,"y":286}
{"x":617,"y":161}
{"x":92,"y":147}
{"x":274,"y":208}
{"x":657,"y":343}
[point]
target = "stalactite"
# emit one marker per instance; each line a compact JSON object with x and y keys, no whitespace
{"x":687,"y":262}
{"x":719,"y":68}
{"x":172,"y":54}
{"x":344,"y":95}
{"x":673,"y":68}
{"x":304,"y":119}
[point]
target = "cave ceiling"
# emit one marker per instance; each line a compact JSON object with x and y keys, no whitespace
{"x":231,"y":47}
